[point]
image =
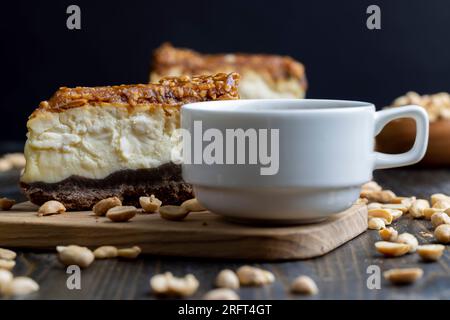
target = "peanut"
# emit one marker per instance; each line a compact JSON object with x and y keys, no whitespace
{"x":174,"y":213}
{"x":251,"y":276}
{"x":376,"y":223}
{"x":227,"y":279}
{"x":384,"y":196}
{"x":7,"y":254}
{"x":20,"y":286}
{"x":428,"y":212}
{"x":167,"y":284}
{"x":150,"y":204}
{"x":442,"y":204}
{"x":304,"y":285}
{"x":7,"y":264}
{"x":105,"y":252}
{"x":374,"y":205}
{"x":403,"y":276}
{"x":439,"y":218}
{"x":17,"y":160}
{"x":442,"y":233}
{"x":192,"y":205}
{"x":418,"y":207}
{"x":6,"y":204}
{"x":392,"y":249}
{"x":129,"y":253}
{"x":388,"y":234}
{"x":5,"y":277}
{"x":101,"y":207}
{"x":405,"y":201}
{"x":221,"y":294}
{"x":385,"y":214}
{"x":371,"y":186}
{"x":408,"y":239}
{"x":75,"y":255}
{"x":430,"y":252}
{"x":51,"y":207}
{"x":121,"y":213}
{"x":437,"y":197}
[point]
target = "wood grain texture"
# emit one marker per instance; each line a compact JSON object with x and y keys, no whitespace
{"x":200,"y":235}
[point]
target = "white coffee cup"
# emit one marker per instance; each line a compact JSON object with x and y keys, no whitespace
{"x":326,"y":152}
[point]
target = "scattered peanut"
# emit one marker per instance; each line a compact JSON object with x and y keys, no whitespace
{"x":403,"y":276}
{"x":7,"y":254}
{"x":251,"y":276}
{"x":101,"y":207}
{"x":418,"y":207}
{"x":6,"y":204}
{"x":121,"y":213}
{"x":430,"y":252}
{"x":5,"y":277}
{"x":437,"y":197}
{"x":105,"y":252}
{"x":17,"y":159}
{"x":405,"y":201}
{"x":75,"y":255}
{"x":384,"y":196}
{"x":388,"y":234}
{"x":408,"y":239}
{"x":7,"y":264}
{"x":51,"y":207}
{"x":174,"y":213}
{"x":304,"y":285}
{"x":192,"y":205}
{"x":439,"y":218}
{"x":385,"y":214}
{"x":221,"y":294}
{"x":167,"y":284}
{"x":150,"y":204}
{"x":129,"y":253}
{"x":395,"y":206}
{"x":442,"y":204}
{"x":376,"y":223}
{"x":227,"y":279}
{"x":442,"y":233}
{"x":371,"y":186}
{"x":428,"y":212}
{"x":20,"y":286}
{"x":392,"y":249}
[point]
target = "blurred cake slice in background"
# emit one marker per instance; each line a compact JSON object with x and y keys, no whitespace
{"x":87,"y":144}
{"x":262,"y":76}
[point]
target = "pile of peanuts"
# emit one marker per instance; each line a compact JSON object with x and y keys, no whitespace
{"x":384,"y":208}
{"x":437,"y":105}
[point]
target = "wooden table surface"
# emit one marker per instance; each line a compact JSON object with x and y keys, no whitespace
{"x":341,"y":274}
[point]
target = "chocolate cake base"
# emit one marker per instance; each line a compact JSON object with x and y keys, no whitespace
{"x":79,"y":193}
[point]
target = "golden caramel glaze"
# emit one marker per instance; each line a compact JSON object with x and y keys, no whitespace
{"x":189,"y":62}
{"x":169,"y":91}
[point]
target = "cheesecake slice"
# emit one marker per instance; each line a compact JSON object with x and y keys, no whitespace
{"x":262,"y":76}
{"x":87,"y":144}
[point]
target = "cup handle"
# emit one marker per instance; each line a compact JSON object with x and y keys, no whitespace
{"x":416,"y":153}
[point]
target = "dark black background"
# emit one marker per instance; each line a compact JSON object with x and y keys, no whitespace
{"x":343,"y":58}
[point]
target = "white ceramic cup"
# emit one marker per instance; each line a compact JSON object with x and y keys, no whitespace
{"x":326,"y":152}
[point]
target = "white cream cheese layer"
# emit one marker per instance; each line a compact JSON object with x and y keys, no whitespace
{"x":95,"y":141}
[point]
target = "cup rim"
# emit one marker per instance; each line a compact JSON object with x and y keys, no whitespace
{"x":289,"y":106}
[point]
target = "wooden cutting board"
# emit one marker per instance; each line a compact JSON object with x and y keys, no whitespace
{"x":200,"y":235}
